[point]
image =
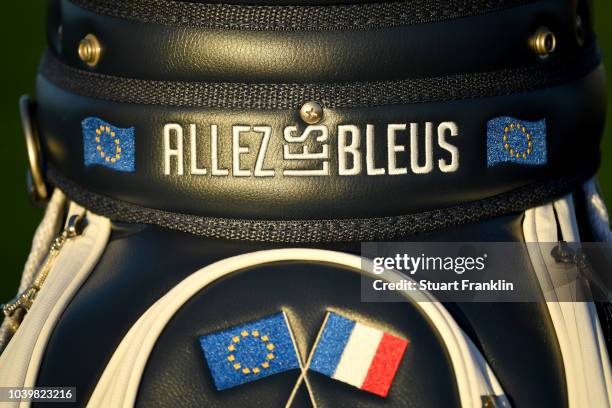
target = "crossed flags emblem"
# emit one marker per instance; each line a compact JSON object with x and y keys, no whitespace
{"x":345,"y":350}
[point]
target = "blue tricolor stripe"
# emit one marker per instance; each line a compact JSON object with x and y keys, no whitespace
{"x":331,"y":344}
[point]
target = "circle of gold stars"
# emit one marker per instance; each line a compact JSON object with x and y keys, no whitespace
{"x":105,"y":130}
{"x":514,"y":152}
{"x":250,"y":370}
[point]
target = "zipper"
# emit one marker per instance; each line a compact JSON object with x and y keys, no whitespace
{"x":16,"y":309}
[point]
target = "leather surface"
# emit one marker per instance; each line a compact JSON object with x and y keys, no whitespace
{"x":142,"y":263}
{"x":334,"y":196}
{"x":477,"y":43}
{"x":305,"y":292}
{"x":599,"y":257}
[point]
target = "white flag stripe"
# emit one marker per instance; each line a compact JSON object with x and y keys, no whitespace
{"x":358,"y":355}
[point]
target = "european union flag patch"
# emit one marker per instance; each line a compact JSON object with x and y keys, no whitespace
{"x":250,"y":351}
{"x":516,"y":141}
{"x":107,"y":145}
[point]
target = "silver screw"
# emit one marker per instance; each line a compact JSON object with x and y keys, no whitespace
{"x":311,"y":112}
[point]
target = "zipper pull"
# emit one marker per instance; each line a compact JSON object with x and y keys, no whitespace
{"x":15,"y":310}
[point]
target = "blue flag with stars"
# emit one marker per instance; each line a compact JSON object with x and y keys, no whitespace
{"x":107,"y":145}
{"x":516,"y":141}
{"x":251,"y":351}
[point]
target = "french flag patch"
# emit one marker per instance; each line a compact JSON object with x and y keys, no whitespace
{"x":356,"y":354}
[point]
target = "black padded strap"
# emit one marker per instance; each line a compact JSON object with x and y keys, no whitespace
{"x":366,"y":42}
{"x":330,"y":95}
{"x":208,"y":120}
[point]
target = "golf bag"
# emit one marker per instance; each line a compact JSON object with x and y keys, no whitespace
{"x":220,"y":177}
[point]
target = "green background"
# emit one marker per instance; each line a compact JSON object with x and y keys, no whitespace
{"x":23,"y":40}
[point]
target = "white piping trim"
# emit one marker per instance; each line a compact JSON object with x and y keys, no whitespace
{"x":585,"y":357}
{"x":21,"y":360}
{"x":43,"y":237}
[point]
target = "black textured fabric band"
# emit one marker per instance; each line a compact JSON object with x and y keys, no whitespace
{"x":331,"y":95}
{"x":336,"y":230}
{"x":335,"y":17}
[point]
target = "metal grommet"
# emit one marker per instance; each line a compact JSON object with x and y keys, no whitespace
{"x":311,"y":112}
{"x":37,"y":187}
{"x":543,"y":42}
{"x":90,"y":50}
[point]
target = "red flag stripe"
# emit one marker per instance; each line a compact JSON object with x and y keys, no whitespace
{"x":384,"y":365}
